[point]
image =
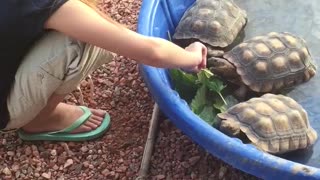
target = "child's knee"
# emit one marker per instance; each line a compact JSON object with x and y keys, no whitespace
{"x":42,"y":71}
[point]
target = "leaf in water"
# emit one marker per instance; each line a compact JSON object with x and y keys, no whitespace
{"x":199,"y":101}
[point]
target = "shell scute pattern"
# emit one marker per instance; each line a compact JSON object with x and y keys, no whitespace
{"x":214,"y":22}
{"x":273,"y":61}
{"x":274,"y":123}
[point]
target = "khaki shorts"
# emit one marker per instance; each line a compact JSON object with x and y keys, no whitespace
{"x":56,"y":64}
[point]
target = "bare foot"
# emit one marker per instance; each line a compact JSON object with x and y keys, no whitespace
{"x":62,"y":117}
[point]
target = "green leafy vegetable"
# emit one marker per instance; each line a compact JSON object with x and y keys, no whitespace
{"x":216,"y":86}
{"x":199,"y":100}
{"x":208,"y":115}
{"x":220,"y":105}
{"x":213,"y":83}
{"x":203,"y":92}
{"x":207,"y":72}
{"x":204,"y":76}
{"x":184,"y":84}
{"x":202,"y":106}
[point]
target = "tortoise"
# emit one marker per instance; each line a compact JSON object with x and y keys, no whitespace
{"x":269,"y":63}
{"x":216,"y":23}
{"x":274,"y":123}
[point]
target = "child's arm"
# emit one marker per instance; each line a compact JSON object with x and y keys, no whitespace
{"x":79,"y":21}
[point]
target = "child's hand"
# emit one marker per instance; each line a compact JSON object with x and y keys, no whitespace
{"x":200,"y":53}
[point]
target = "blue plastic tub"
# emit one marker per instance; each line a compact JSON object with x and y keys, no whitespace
{"x":156,"y":18}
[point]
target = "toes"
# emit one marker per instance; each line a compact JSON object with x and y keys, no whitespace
{"x":98,"y":115}
{"x":91,"y":125}
{"x":98,"y":112}
{"x":87,"y":126}
{"x":98,"y":118}
{"x":96,"y":122}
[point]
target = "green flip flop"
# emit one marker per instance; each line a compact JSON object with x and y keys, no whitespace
{"x":65,"y":135}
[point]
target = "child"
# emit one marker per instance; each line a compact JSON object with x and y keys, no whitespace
{"x":50,"y":46}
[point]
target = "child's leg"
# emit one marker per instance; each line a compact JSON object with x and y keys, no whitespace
{"x":52,"y":69}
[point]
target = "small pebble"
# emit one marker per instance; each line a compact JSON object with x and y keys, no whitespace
{"x":46,"y":175}
{"x":6,"y":171}
{"x":53,"y":152}
{"x":68,"y":163}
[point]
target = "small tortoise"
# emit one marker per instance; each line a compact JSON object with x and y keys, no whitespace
{"x":266,"y":64}
{"x":215,"y":23}
{"x":274,"y":123}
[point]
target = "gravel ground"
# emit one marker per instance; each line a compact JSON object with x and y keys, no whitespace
{"x":120,"y":90}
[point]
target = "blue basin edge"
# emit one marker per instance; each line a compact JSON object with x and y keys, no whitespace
{"x":231,"y":150}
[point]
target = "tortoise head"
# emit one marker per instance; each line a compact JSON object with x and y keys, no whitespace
{"x":229,"y":125}
{"x":222,"y":68}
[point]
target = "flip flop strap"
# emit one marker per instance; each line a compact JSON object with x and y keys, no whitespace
{"x":77,"y":123}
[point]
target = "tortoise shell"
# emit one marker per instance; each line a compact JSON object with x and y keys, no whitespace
{"x":214,"y":22}
{"x":272,"y":62}
{"x":274,"y":123}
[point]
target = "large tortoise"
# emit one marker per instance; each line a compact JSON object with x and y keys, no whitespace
{"x":276,"y":124}
{"x":215,"y":23}
{"x":266,"y":64}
